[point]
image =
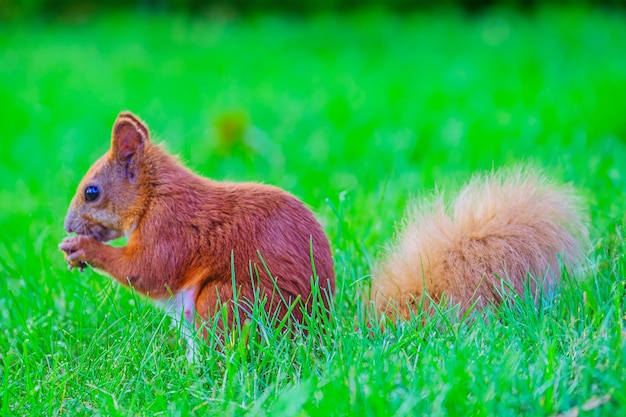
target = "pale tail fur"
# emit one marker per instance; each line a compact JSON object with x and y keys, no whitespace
{"x":504,"y":225}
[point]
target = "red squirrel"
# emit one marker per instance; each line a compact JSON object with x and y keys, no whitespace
{"x":186,"y":233}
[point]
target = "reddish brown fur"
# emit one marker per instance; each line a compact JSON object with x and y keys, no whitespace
{"x":183,"y":230}
{"x":503,"y":225}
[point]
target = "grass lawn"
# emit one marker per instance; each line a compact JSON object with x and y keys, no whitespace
{"x":356,"y":115}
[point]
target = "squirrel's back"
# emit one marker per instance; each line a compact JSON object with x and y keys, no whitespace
{"x":502,"y":226}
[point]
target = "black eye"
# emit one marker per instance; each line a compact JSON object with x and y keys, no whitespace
{"x":91,"y":193}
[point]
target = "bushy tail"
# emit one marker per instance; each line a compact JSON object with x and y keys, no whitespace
{"x":503,"y":225}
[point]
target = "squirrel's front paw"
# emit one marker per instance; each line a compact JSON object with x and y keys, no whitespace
{"x":77,"y":250}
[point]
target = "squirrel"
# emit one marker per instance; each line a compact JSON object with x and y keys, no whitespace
{"x":194,"y":243}
{"x":189,"y":239}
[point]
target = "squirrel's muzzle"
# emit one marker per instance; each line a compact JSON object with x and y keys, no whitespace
{"x":86,"y":225}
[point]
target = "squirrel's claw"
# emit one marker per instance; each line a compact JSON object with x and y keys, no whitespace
{"x":80,"y":266}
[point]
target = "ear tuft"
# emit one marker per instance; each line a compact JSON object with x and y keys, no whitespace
{"x":128,"y":136}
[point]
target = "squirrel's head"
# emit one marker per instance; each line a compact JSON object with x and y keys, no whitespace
{"x":110,"y":198}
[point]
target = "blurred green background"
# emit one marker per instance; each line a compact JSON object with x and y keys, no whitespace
{"x":355,"y":108}
{"x":317,"y":103}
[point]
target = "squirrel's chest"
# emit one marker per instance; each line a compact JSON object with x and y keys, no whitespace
{"x":179,"y":306}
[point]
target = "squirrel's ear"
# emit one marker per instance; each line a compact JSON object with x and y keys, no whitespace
{"x":128,"y":136}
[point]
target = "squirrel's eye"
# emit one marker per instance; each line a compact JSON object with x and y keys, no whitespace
{"x":91,"y":193}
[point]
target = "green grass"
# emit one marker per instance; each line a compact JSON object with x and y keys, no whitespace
{"x":355,"y":115}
